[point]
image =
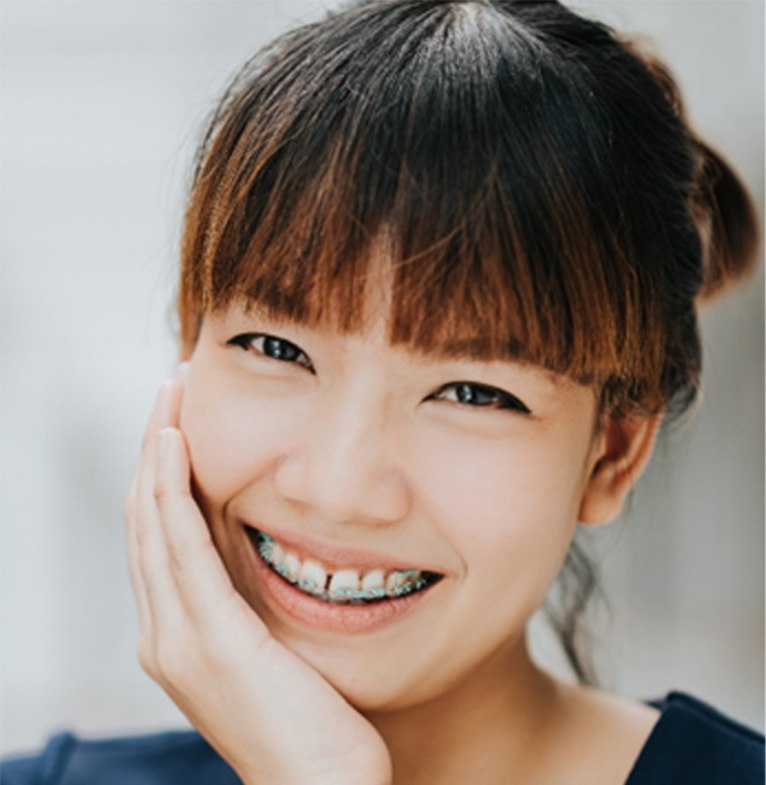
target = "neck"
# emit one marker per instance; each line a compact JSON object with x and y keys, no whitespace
{"x":487,"y":729}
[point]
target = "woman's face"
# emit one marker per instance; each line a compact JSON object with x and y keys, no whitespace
{"x":367,"y":460}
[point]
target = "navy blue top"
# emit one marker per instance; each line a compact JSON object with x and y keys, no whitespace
{"x":691,"y":744}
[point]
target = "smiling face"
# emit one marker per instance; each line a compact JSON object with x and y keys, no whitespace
{"x":364,"y":457}
{"x":358,"y":457}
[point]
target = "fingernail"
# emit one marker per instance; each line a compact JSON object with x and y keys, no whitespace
{"x":182,"y":370}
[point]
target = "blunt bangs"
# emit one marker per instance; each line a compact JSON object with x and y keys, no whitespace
{"x":481,"y":155}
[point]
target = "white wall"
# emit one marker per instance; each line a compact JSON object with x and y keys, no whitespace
{"x":101,"y":105}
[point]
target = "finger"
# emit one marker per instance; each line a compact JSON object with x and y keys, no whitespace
{"x":134,"y":568}
{"x":165,"y":412}
{"x":197,"y":567}
{"x":187,"y":536}
{"x":152,"y":564}
{"x":147,"y":531}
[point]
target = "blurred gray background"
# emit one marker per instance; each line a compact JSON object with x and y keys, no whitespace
{"x":102,"y":103}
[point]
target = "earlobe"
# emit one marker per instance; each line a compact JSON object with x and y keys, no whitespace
{"x":622,"y":451}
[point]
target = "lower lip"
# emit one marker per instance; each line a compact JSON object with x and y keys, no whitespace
{"x":325,"y":616}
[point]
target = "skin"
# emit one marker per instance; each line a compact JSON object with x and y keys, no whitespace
{"x":362,"y":444}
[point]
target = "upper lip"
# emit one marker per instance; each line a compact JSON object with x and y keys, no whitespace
{"x":338,"y":557}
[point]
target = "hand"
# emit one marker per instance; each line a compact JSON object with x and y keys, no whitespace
{"x":268,"y":713}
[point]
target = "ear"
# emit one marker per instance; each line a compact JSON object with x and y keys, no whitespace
{"x":621,"y":452}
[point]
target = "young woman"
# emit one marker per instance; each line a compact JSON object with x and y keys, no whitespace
{"x":440,"y":272}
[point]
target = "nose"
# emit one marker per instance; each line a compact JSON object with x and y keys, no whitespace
{"x":343,"y":466}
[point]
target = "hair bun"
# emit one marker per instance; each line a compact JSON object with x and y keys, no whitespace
{"x":726,"y":221}
{"x":721,"y":207}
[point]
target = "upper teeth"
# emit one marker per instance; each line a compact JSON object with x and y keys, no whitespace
{"x":340,"y":586}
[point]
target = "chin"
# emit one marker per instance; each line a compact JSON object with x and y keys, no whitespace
{"x":368,"y":682}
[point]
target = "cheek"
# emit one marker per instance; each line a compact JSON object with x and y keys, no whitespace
{"x":233,"y":439}
{"x":507,"y":506}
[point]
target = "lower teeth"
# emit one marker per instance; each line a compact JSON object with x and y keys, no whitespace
{"x":349,"y":596}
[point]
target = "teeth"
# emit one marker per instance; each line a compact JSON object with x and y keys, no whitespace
{"x":373,"y":580}
{"x":277,"y":554}
{"x":312,"y":577}
{"x":394,"y":580}
{"x":373,"y":585}
{"x":344,"y":585}
{"x":292,"y":566}
{"x":403,"y":582}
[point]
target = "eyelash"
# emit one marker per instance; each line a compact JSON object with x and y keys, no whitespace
{"x":470,"y":394}
{"x":279,"y":346}
{"x":492,"y":397}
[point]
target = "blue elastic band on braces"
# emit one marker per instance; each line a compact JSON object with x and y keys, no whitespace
{"x":282,"y":570}
{"x":342,"y":593}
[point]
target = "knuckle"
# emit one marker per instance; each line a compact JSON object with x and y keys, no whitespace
{"x":146,"y":659}
{"x":161,"y":490}
{"x":173,"y":665}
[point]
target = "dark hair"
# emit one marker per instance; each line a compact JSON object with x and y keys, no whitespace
{"x":530,"y":178}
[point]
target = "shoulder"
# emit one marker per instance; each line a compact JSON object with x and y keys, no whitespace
{"x":693,"y":742}
{"x":173,"y":758}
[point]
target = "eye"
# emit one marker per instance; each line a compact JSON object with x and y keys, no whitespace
{"x":472,"y":394}
{"x":273,"y":347}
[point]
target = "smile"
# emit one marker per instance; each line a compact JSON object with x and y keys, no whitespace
{"x":340,"y":587}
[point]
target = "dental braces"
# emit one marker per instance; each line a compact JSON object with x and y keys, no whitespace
{"x":345,"y":595}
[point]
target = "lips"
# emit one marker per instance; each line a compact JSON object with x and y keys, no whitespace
{"x":336,"y":557}
{"x":351,"y":591}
